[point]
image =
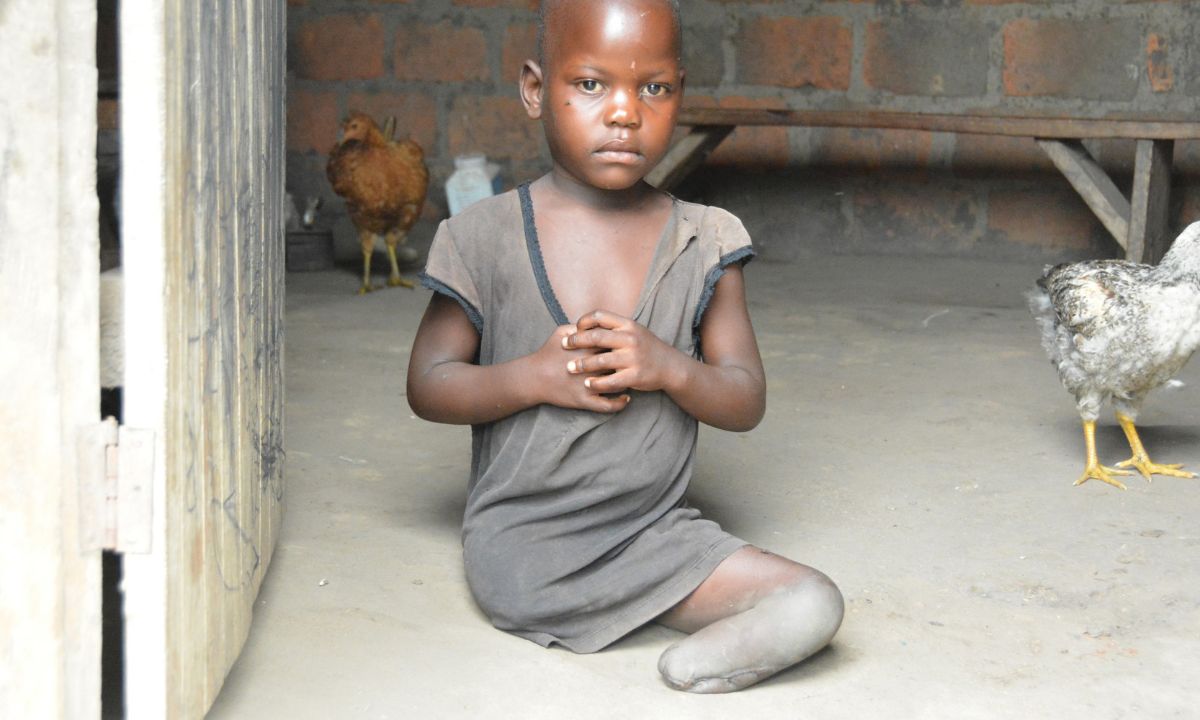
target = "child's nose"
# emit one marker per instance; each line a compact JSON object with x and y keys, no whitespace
{"x":622,"y":109}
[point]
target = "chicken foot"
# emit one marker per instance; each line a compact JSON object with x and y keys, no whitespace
{"x":1093,"y":470}
{"x":1140,"y":459}
{"x":392,"y":239}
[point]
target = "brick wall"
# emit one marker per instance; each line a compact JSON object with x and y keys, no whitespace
{"x":448,"y":68}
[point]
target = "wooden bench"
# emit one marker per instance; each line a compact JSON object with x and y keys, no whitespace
{"x":1139,"y":223}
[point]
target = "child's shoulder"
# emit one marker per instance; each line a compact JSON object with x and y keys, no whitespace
{"x":480,"y":235}
{"x":489,"y":215}
{"x":714,"y":224}
{"x":708,"y":214}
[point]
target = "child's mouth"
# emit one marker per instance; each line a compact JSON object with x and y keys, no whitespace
{"x":619,"y":150}
{"x":623,"y":157}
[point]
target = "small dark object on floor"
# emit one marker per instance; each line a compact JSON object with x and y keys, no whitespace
{"x":309,"y":250}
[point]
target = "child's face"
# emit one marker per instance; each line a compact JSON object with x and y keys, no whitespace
{"x":611,"y":88}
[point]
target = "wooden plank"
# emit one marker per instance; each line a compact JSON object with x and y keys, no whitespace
{"x":144,"y":227}
{"x":50,"y":596}
{"x":78,"y":335}
{"x":222,"y":329}
{"x":1010,"y":125}
{"x":686,"y":154}
{"x":1092,"y":184}
{"x":1148,"y":240}
{"x":190,"y":625}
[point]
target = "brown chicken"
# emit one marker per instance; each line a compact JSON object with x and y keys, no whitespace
{"x":383,"y":183}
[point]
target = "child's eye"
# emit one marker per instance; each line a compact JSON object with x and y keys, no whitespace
{"x":589,"y":86}
{"x":656,"y":89}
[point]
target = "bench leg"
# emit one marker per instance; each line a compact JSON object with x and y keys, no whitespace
{"x":686,"y":154}
{"x":1148,"y":240}
{"x":1093,"y":184}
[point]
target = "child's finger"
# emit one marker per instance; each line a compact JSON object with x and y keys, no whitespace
{"x":599,"y":362}
{"x":604,"y":319}
{"x":563,"y":332}
{"x":604,"y":404}
{"x":597,"y":338}
{"x":608,"y":384}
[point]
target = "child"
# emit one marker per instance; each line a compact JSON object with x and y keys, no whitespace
{"x":576,"y":529}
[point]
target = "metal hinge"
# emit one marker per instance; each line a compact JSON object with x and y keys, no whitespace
{"x":116,"y":471}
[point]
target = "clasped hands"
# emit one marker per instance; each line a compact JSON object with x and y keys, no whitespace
{"x":605,"y":356}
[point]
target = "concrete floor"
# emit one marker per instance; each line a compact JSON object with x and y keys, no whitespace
{"x":917,"y":448}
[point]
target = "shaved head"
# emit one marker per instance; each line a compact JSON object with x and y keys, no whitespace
{"x":549,"y":10}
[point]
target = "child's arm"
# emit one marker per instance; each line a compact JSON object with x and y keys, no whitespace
{"x":444,"y":384}
{"x":727,"y":390}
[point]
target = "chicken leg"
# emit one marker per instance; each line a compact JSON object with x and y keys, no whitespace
{"x":1140,"y":460}
{"x":1093,"y":469}
{"x":366,"y":239}
{"x":392,"y":239}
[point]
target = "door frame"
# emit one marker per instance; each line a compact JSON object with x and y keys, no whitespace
{"x":50,"y":598}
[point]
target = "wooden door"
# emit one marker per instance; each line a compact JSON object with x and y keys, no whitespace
{"x":202,"y":123}
{"x":49,"y":364}
{"x":202,"y":138}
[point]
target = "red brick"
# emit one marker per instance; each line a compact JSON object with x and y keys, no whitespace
{"x":926,"y":217}
{"x":1115,"y":155}
{"x":1044,"y":217}
{"x":497,"y":126}
{"x":1187,"y":159}
{"x":946,"y":56}
{"x":1050,"y":2}
{"x":340,"y":47}
{"x":1189,"y":205}
{"x":526,"y":4}
{"x":872,"y":148}
{"x":703,"y":60}
{"x":941,"y":4}
{"x":520,"y":44}
{"x":415,"y":113}
{"x":443,"y":52}
{"x":1067,"y":58}
{"x":759,"y":147}
{"x":795,"y":52}
{"x":1158,"y":70}
{"x":312,"y":121}
{"x":992,"y":153}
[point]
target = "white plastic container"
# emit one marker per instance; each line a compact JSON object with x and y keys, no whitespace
{"x":470,"y":182}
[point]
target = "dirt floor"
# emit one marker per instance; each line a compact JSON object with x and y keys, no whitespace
{"x":918,"y":448}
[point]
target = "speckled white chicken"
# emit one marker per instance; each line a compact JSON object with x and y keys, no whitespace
{"x":1117,"y":329}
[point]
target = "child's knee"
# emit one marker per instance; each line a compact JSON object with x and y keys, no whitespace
{"x":793,"y":622}
{"x":815,"y":605}
{"x":829,"y":595}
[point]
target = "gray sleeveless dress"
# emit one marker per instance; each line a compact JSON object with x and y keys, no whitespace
{"x":576,"y":529}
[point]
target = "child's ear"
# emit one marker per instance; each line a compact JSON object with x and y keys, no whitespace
{"x":531,"y":89}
